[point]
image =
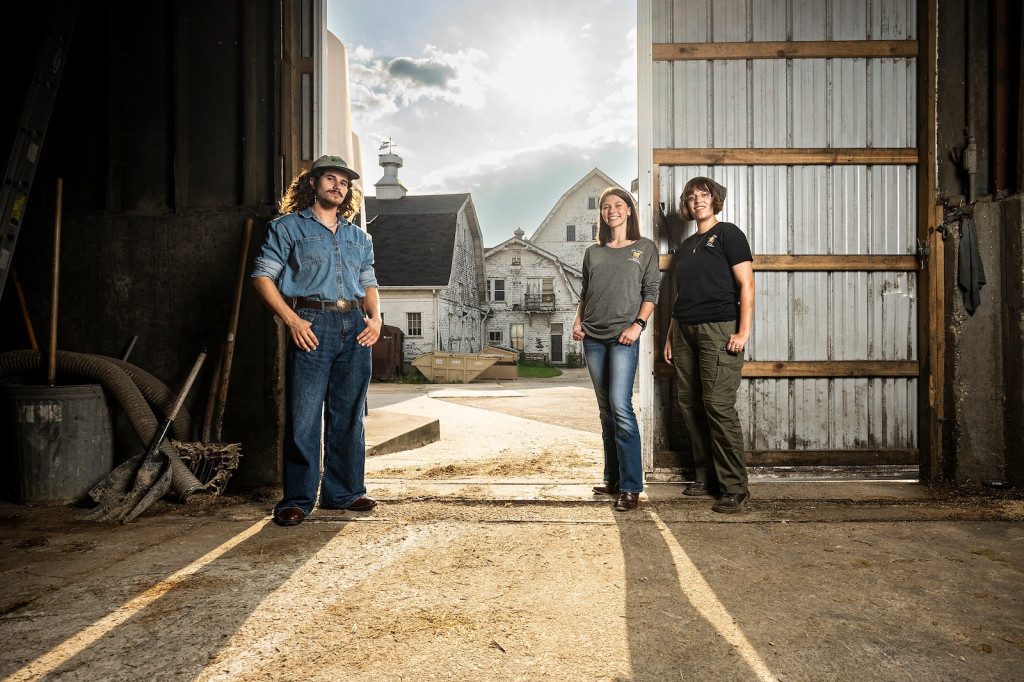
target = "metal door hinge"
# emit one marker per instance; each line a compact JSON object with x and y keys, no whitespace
{"x":924,"y":250}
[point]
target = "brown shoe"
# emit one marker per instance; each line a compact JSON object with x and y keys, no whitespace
{"x":290,"y":516}
{"x":627,"y":501}
{"x":609,"y":488}
{"x":362,"y":504}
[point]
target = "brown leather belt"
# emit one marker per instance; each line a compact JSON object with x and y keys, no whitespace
{"x":342,"y":304}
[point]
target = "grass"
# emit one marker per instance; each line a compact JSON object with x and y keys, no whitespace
{"x":538,"y":371}
{"x":413,"y":377}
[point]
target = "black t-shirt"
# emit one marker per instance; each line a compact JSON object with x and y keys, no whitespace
{"x":707,"y":290}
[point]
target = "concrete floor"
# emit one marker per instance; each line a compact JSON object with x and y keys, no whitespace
{"x":815,"y":582}
{"x":523,"y":579}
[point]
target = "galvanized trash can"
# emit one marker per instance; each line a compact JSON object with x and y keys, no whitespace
{"x":59,"y":442}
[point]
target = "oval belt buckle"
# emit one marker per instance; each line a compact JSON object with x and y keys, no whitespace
{"x":344,"y":305}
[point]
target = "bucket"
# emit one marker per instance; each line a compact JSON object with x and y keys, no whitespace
{"x":59,"y":442}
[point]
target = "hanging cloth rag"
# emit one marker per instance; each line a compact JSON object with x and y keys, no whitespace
{"x":970,"y":271}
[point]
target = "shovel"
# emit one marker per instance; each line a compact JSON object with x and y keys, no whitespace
{"x":152,"y":470}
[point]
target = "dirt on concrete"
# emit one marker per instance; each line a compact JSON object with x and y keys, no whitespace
{"x":815,"y":581}
{"x":523,"y":429}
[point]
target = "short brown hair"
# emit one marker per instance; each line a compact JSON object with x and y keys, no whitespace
{"x":704,"y":184}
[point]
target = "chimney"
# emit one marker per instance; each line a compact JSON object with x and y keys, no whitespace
{"x":389,"y":186}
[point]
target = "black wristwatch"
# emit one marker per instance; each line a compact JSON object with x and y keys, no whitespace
{"x":642,"y":323}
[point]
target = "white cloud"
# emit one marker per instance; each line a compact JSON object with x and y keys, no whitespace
{"x":382,"y":86}
{"x":509,"y":102}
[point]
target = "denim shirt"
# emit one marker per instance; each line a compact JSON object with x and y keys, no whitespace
{"x":304,"y":259}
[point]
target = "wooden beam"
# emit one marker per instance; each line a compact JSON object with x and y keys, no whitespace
{"x":824,"y":263}
{"x":817,"y":369}
{"x":791,"y":458}
{"x":835,"y":458}
{"x":784,"y":156}
{"x":835,"y":262}
{"x":180,"y":97}
{"x":932,"y":428}
{"x":291,"y":89}
{"x":832,"y":369}
{"x":251,"y":192}
{"x":803,"y":49}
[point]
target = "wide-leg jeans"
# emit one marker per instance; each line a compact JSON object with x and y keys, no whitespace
{"x":613,"y":370}
{"x":325,"y":399}
{"x":707,"y":380}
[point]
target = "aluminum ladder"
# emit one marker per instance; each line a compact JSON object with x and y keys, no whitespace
{"x":35,"y":118}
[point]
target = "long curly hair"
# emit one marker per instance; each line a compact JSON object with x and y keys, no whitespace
{"x":301,"y":195}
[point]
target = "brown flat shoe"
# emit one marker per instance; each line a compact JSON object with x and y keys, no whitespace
{"x":609,"y":488}
{"x":362,"y":504}
{"x":627,"y":501}
{"x":291,"y":516}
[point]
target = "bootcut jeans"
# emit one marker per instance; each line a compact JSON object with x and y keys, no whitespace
{"x":613,"y":370}
{"x":325,"y":397}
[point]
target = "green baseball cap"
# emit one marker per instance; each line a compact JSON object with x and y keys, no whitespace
{"x":329,"y":161}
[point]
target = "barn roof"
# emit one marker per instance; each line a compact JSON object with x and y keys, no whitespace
{"x":414,"y":238}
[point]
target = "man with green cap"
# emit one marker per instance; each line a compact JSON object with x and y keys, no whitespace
{"x":315,"y":272}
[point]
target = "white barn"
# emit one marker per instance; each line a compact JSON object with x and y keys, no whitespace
{"x":571,"y":225}
{"x":429,"y":265}
{"x":531,"y":301}
{"x":533,"y":285}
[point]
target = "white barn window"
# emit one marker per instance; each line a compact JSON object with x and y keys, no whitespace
{"x":516,"y":332}
{"x":495,"y":290}
{"x":414,"y":324}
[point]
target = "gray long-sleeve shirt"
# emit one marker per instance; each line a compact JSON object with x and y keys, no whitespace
{"x":616,"y":282}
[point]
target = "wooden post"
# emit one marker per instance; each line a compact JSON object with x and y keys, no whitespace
{"x":51,"y":372}
{"x":931,"y":327}
{"x":229,"y":344}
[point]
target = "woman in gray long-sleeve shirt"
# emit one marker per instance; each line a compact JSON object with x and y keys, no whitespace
{"x":620,"y":289}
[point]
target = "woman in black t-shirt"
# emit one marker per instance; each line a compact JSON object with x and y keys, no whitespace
{"x":710,"y":327}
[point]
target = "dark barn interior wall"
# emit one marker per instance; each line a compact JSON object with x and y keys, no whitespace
{"x":979,"y":85}
{"x":165,"y":134}
{"x":672,"y":447}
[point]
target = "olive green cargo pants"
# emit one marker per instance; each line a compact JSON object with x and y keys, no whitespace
{"x":707,"y":380}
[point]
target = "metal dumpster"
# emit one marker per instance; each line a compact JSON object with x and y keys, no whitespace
{"x":507,"y":366}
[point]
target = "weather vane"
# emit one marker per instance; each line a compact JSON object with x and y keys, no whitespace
{"x":386,"y":144}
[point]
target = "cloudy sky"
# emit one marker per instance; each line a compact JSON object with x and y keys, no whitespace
{"x":513,"y":102}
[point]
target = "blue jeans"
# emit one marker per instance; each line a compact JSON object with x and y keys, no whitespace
{"x":325,"y":396}
{"x":613,"y":370}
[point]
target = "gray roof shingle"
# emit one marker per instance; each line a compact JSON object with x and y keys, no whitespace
{"x":413,"y":238}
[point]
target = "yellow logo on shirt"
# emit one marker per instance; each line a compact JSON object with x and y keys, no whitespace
{"x":636,"y":255}
{"x":711,"y":241}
